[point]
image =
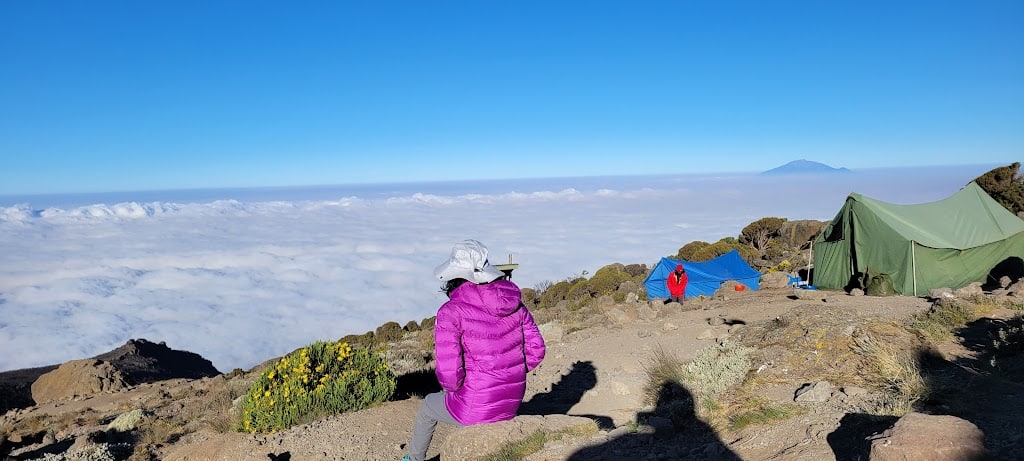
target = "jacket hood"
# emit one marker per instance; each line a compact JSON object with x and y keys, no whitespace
{"x":500,"y":298}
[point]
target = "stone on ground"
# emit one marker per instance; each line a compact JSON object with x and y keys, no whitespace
{"x":921,"y":437}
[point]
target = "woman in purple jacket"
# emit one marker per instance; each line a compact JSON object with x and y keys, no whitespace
{"x":485,"y":341}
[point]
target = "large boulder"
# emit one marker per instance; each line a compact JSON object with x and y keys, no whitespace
{"x":774,"y":280}
{"x":78,"y":378}
{"x":968,"y":291}
{"x":478,"y":441}
{"x":921,"y":437}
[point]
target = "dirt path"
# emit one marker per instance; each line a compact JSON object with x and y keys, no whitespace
{"x":599,"y":372}
{"x":596,"y":372}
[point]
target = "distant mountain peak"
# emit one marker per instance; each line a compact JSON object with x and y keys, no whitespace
{"x":804,"y":167}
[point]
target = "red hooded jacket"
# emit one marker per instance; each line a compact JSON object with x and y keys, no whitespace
{"x":677,"y":282}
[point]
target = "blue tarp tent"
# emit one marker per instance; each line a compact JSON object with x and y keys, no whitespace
{"x":704,"y":277}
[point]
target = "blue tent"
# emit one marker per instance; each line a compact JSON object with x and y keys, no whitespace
{"x":704,"y":277}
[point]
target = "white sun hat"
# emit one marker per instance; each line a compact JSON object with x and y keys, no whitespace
{"x":468,"y":261}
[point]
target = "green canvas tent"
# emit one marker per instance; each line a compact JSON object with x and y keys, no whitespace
{"x":967,"y":237}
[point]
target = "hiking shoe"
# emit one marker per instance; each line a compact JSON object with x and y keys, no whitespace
{"x":405,"y":458}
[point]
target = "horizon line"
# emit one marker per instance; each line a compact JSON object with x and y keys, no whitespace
{"x":470,"y":181}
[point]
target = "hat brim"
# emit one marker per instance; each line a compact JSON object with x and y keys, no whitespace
{"x":448,"y":271}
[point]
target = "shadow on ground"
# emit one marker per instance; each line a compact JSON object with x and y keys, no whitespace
{"x":670,"y":431}
{"x":987,"y":388}
{"x":417,"y":383}
{"x":566,"y":393}
{"x":983,"y":387}
{"x":851,"y":441}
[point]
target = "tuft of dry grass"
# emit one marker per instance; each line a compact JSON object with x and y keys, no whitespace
{"x":896,"y":372}
{"x":946,"y":315}
{"x":516,"y":451}
{"x":661,"y":369}
{"x":222,"y":414}
{"x":758,"y":410}
{"x":701,"y":387}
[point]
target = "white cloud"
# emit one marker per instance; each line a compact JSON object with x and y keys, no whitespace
{"x":241,"y":282}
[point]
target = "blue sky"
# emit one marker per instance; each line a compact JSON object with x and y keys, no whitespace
{"x":113,"y":96}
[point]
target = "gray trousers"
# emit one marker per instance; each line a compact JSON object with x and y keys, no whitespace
{"x":432,"y":410}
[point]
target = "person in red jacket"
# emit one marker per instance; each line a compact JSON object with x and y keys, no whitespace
{"x":677,"y":284}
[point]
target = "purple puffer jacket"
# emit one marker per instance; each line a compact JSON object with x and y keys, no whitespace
{"x":485,"y":341}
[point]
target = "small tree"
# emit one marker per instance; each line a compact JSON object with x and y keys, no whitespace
{"x":687,"y":251}
{"x":722,"y":247}
{"x":1005,"y":185}
{"x":607,"y":279}
{"x":758,"y":233}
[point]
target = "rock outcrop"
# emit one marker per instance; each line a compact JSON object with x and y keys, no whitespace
{"x":137,"y":361}
{"x":78,"y":378}
{"x":921,"y":437}
{"x":142,"y":361}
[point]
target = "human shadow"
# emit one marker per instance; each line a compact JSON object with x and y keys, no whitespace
{"x":997,"y":346}
{"x":566,"y":393}
{"x":420,"y":383}
{"x":851,"y":441}
{"x":670,"y":431}
{"x":983,"y":387}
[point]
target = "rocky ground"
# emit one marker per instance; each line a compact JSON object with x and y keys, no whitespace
{"x":595,"y":369}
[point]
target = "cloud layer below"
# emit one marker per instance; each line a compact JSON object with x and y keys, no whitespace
{"x":245,"y":279}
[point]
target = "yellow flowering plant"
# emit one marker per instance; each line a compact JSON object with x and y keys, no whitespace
{"x":321,"y":379}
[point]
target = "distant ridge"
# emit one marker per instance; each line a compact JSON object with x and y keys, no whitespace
{"x":803,"y":167}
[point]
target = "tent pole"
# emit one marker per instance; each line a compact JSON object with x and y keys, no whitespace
{"x":810,"y":263}
{"x":913,"y":264}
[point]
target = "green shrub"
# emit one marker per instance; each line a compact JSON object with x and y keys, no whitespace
{"x":946,"y":315}
{"x":687,"y":251}
{"x":363,"y":340}
{"x":717,"y":367}
{"x":722,"y":247}
{"x":322,"y":379}
{"x":554,"y":294}
{"x":608,"y":278}
{"x":1005,"y":185}
{"x":761,"y":411}
{"x":579,"y":290}
{"x":1008,"y":340}
{"x":388,"y":332}
{"x":783,"y":266}
{"x":531,"y":297}
{"x":758,"y":233}
{"x":774,"y":250}
{"x":411,"y":326}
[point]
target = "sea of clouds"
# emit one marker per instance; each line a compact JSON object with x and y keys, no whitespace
{"x":242,"y":276}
